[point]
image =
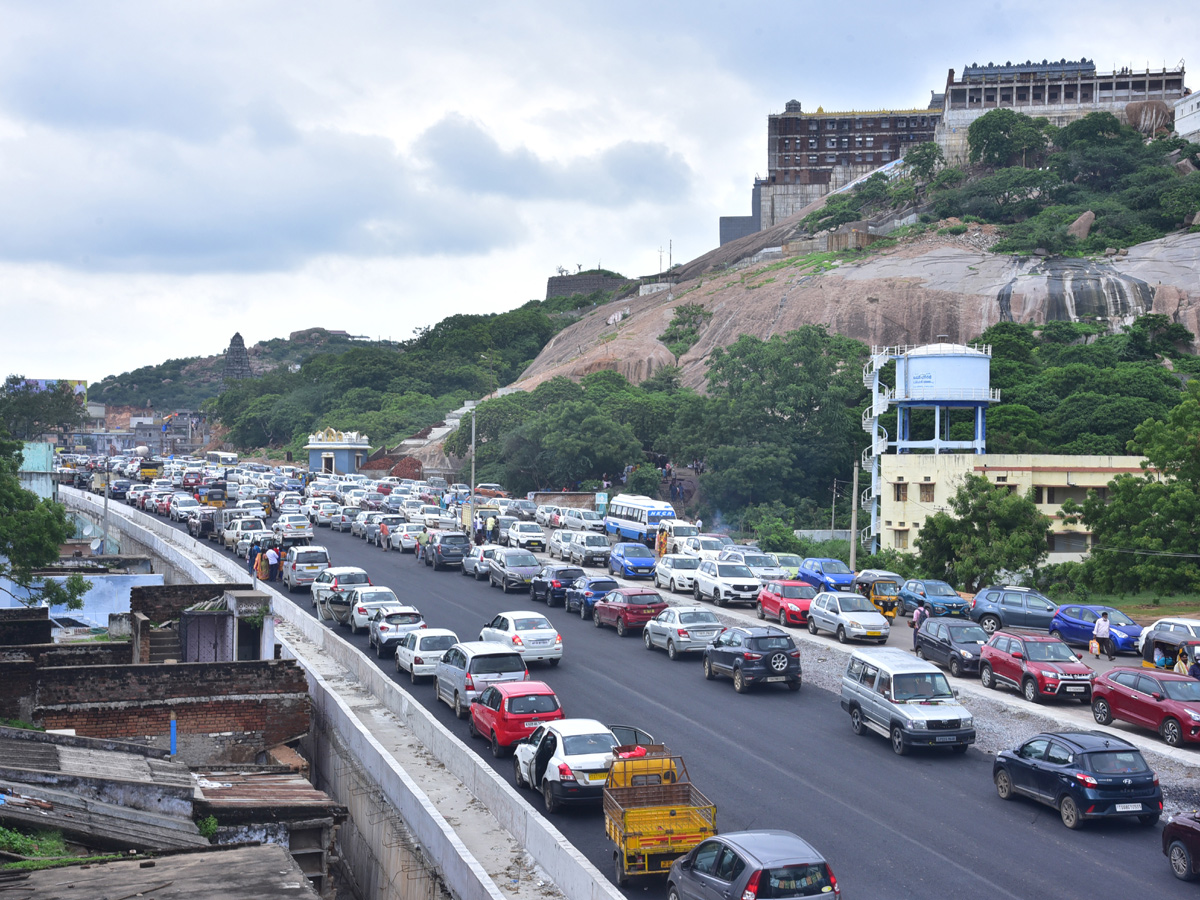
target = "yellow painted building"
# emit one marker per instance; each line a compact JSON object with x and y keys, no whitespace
{"x":917,"y":485}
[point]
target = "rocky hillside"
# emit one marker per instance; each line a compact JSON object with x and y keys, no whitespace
{"x":909,"y":293}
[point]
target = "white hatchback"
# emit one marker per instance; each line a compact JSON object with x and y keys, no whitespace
{"x":419,"y":652}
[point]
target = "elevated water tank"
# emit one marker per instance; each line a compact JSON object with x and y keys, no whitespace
{"x":943,"y":372}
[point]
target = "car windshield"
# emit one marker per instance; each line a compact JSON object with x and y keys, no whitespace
{"x":1116,"y":617}
{"x":788,"y":561}
{"x":780,"y":642}
{"x":532,"y":623}
{"x":594,"y":540}
{"x":642,"y":599}
{"x":589,"y":516}
{"x":835,"y":567}
{"x":1115,"y":762}
{"x":704,"y":618}
{"x":377,"y":595}
{"x":798,"y":592}
{"x":921,"y":686}
{"x":968,"y":634}
{"x":497,"y":664}
{"x":637,"y":551}
{"x":796,"y":880}
{"x":856,"y":604}
{"x":734,"y":570}
{"x":437,"y":642}
{"x":886,"y":588}
{"x":939,"y":589}
{"x":762,"y":562}
{"x":311,"y":556}
{"x":1049,"y":651}
{"x":685,"y":562}
{"x":710,"y":544}
{"x":1184,"y":691}
{"x":525,"y":504}
{"x":521,"y":559}
{"x":579,"y":744}
{"x":532,"y":703}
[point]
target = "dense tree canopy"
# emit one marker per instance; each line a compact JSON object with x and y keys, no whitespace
{"x":27,"y":413}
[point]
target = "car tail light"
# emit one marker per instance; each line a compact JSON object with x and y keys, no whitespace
{"x":558,"y":639}
{"x":753,"y":656}
{"x":751,"y":891}
{"x":418,"y":661}
{"x":556,"y":584}
{"x":362,"y":610}
{"x":682,"y":632}
{"x":795,"y":654}
{"x":837,"y":891}
{"x":383,"y":628}
{"x":423,"y":625}
{"x":469,"y":684}
{"x":565,"y":773}
{"x":525,"y":677}
{"x":517,"y":642}
{"x":1086,"y":780}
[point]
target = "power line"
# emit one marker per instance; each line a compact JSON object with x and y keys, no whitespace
{"x":1163,"y":553}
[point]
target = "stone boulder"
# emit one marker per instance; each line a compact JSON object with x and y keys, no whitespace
{"x":1082,"y":227}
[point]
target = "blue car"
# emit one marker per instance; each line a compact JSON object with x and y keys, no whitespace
{"x":631,"y":561}
{"x":940,"y":599}
{"x":583,"y":593}
{"x":826,"y":574}
{"x":1073,"y":625}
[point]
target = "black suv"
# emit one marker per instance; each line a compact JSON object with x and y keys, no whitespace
{"x":1082,"y":774}
{"x":446,"y":548}
{"x":754,"y":655}
{"x":552,"y":582}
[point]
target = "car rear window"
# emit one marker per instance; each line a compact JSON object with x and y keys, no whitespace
{"x":1116,"y":762}
{"x":435,"y":642}
{"x":798,"y":592}
{"x":764,"y":644}
{"x":352,"y":578}
{"x":642,"y":599}
{"x":698,"y":618}
{"x":456,"y":539}
{"x":405,"y":619}
{"x":497,"y":664}
{"x":568,"y":574}
{"x":602,"y":586}
{"x":532,"y":703}
{"x":312,"y":556}
{"x":798,"y":880}
{"x":579,"y":744}
{"x":377,"y":596}
{"x":532,"y":623}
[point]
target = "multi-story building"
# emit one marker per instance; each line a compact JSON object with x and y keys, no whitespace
{"x":1187,"y":117}
{"x":917,"y":485}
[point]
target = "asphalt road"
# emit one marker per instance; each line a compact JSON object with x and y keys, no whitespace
{"x":925,"y":825}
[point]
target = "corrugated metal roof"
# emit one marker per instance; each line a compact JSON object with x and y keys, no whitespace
{"x":229,"y":791}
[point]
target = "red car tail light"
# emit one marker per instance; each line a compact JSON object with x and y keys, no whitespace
{"x":753,"y":656}
{"x":418,"y":661}
{"x":517,"y":642}
{"x":1086,"y":780}
{"x":469,"y":684}
{"x":362,"y":610}
{"x":565,"y":773}
{"x":682,"y":632}
{"x":556,"y":584}
{"x":837,"y":891}
{"x":751,"y":891}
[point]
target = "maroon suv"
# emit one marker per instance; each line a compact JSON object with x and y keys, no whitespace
{"x":1037,"y":665}
{"x":1167,"y":702}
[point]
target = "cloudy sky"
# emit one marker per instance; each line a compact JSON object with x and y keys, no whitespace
{"x":173,"y":172}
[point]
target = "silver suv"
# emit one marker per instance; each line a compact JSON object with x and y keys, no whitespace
{"x":906,"y":700}
{"x":467,"y":669}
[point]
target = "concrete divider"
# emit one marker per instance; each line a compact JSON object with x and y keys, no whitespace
{"x":563,"y":863}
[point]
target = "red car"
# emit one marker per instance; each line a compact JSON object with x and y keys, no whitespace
{"x":1181,"y":845}
{"x":507,"y":713}
{"x":162,"y":505}
{"x":627,"y":609}
{"x":786,"y":601}
{"x":1167,"y":702}
{"x":191,"y":480}
{"x":1038,"y":665}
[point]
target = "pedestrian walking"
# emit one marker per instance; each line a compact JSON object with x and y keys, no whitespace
{"x":478,"y":523}
{"x":422,"y":540}
{"x":262,"y":567}
{"x":272,"y":564}
{"x":1102,"y":635}
{"x":919,"y":615}
{"x":384,"y":533}
{"x":252,"y":557}
{"x":491,"y":529}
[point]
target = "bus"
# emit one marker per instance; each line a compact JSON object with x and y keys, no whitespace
{"x":632,"y":517}
{"x":221,"y":458}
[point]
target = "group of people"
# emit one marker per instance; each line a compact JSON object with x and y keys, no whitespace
{"x":486,"y":531}
{"x":263,"y":563}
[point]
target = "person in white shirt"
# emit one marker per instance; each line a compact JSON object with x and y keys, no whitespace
{"x":1101,"y":633}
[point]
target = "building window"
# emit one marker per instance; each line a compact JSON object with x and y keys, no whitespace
{"x":830,"y":158}
{"x":831,"y":143}
{"x":885,"y":156}
{"x":845,"y":143}
{"x":901,"y":539}
{"x":858,"y":157}
{"x":812,"y":159}
{"x":812,"y":143}
{"x":900,"y":493}
{"x":883,"y":123}
{"x":813,"y":126}
{"x":927,"y":493}
{"x":870,"y":142}
{"x":902,"y":123}
{"x":1050,"y":495}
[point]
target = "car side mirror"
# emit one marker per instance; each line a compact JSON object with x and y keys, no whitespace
{"x":955,"y":692}
{"x":1018,"y":655}
{"x":685,"y":863}
{"x":1157,"y":696}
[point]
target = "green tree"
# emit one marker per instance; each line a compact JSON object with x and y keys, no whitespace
{"x":644,"y":480}
{"x":31,"y":532}
{"x":992,"y":530}
{"x":683,"y":331}
{"x":1003,"y":137}
{"x":26,"y":412}
{"x":924,"y":160}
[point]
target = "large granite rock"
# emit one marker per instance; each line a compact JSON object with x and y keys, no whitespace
{"x":909,"y":295}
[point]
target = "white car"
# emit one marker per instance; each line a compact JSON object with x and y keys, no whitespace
{"x":477,"y":560}
{"x":529,"y":633}
{"x":181,"y":506}
{"x":582,"y":520}
{"x":568,"y":760}
{"x":702,"y":547}
{"x":335,"y":580}
{"x":404,"y":537}
{"x":325,"y":513}
{"x":848,"y":616}
{"x":560,"y":542}
{"x":292,"y":526}
{"x":430,"y":516}
{"x":544,"y":514}
{"x":365,"y":600}
{"x":676,"y":572}
{"x":761,"y":564}
{"x":389,"y":624}
{"x":725,"y":582}
{"x":419,"y":652}
{"x":1175,"y":624}
{"x":526,"y":536}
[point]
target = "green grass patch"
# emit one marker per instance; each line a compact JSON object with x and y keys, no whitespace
{"x":1148,"y":605}
{"x":38,"y":843}
{"x":21,"y":723}
{"x":35,"y":865}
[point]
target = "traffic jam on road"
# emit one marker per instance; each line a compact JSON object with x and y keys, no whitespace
{"x":509,"y":672}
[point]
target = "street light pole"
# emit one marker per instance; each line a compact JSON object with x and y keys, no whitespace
{"x":471,"y":527}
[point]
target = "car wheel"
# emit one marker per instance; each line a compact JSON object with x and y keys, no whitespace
{"x":517,"y":773}
{"x":841,"y":634}
{"x":379,"y":650}
{"x":554,"y":662}
{"x":621,"y":627}
{"x":782,"y":618}
{"x":758,"y":609}
{"x":739,"y":682}
{"x":412,"y":674}
{"x":596,"y":618}
{"x":497,"y":751}
{"x":464,"y":571}
{"x":986,"y":678}
{"x":1100,"y":711}
{"x":709,"y":674}
{"x":955,"y":667}
{"x":672,"y":653}
{"x":646,"y":639}
{"x":475,"y":574}
{"x":1171,"y":733}
{"x":898,"y":741}
{"x":812,"y":626}
{"x":990,"y":624}
{"x":673,"y":894}
{"x":1029,"y":690}
{"x":460,"y":711}
{"x":549,"y":799}
{"x":504,"y":585}
{"x":582,"y":610}
{"x":1056,"y":634}
{"x":696,"y":593}
{"x":1181,"y":861}
{"x":472,"y":728}
{"x":550,"y":598}
{"x":717,"y":598}
{"x":1004,"y":787}
{"x":353,"y":627}
{"x":1069,"y":813}
{"x":857,"y":725}
{"x":920,"y":652}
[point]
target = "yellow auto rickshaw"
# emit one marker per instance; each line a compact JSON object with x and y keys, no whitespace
{"x":882,"y":589}
{"x":214,"y":496}
{"x":1160,"y":649}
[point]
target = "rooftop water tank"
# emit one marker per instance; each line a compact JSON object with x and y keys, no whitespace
{"x":943,"y":372}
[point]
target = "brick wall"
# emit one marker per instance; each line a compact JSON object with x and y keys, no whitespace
{"x":566,"y":285}
{"x":163,"y":603}
{"x":18,"y":675}
{"x":225,"y":712}
{"x":21,"y":612}
{"x":15,"y":632}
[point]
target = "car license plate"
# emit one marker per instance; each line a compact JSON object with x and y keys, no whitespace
{"x":1075,"y":688}
{"x":1129,"y":807}
{"x":873,"y":634}
{"x":946,"y":739}
{"x":777,"y":678}
{"x":309,"y":568}
{"x":597,"y":776}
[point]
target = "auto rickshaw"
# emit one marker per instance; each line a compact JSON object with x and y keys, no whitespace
{"x":214,"y":495}
{"x":1160,"y":649}
{"x":266,"y":499}
{"x":881,"y":588}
